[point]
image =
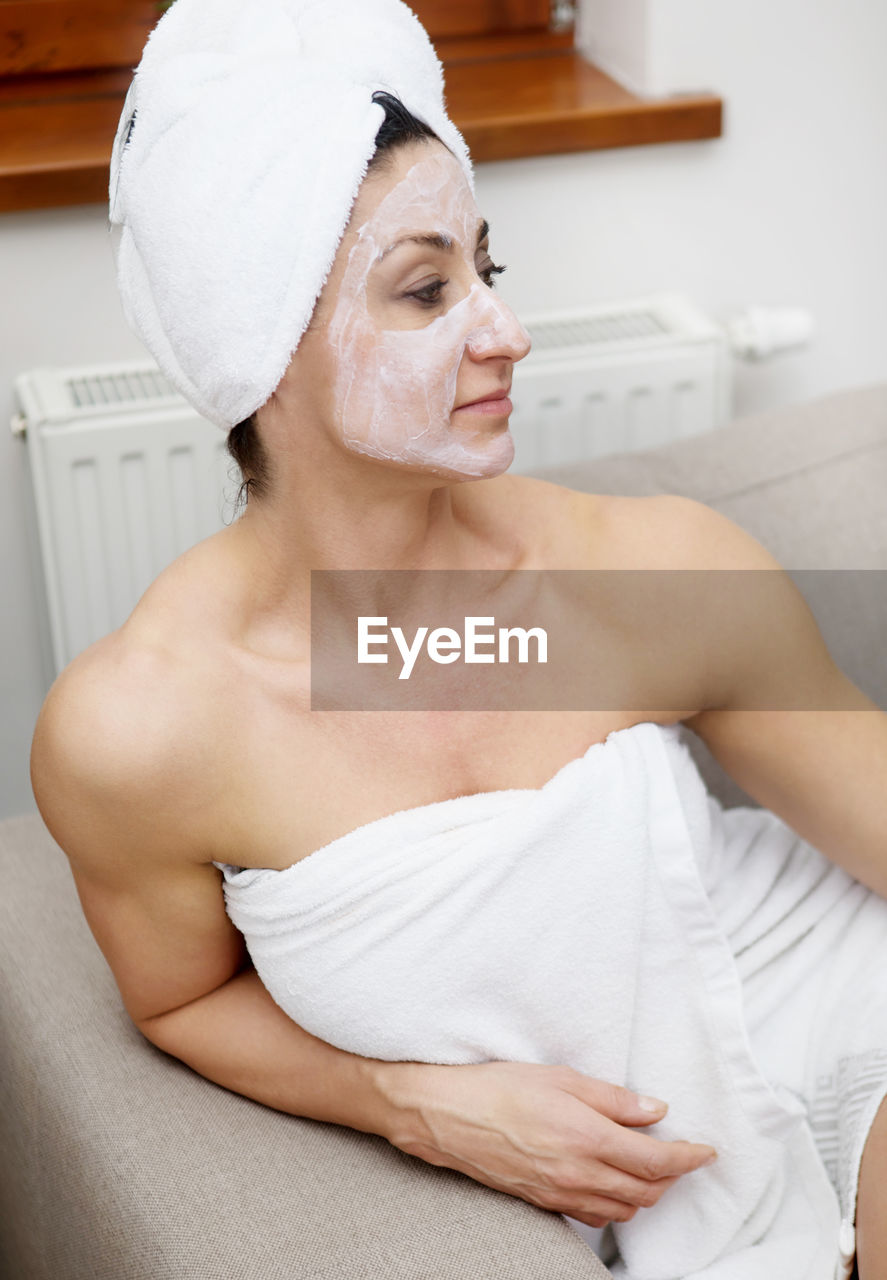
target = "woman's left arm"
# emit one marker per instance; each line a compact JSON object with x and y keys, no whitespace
{"x":784,"y":721}
{"x":823,"y":772}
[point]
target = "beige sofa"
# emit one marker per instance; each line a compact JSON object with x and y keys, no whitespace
{"x":120,"y":1164}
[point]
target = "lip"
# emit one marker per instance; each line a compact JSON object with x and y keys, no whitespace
{"x":495,"y":402}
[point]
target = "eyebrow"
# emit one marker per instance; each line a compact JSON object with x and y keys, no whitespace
{"x":434,"y":239}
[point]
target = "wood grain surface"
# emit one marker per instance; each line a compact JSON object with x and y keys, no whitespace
{"x":66,"y":66}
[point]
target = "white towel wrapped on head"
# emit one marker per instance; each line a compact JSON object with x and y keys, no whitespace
{"x":244,"y":139}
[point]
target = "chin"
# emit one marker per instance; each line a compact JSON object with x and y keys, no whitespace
{"x":452,"y":461}
{"x":492,"y":461}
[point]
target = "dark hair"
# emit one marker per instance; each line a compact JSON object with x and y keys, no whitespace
{"x":246,"y":448}
{"x":399,"y":128}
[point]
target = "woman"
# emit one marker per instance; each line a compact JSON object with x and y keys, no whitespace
{"x":181,"y":753}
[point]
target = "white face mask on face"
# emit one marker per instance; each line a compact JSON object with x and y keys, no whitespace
{"x":396,"y":388}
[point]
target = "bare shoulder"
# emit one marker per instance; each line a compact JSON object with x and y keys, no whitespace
{"x":725,"y":653}
{"x":661,"y":531}
{"x":675,"y":532}
{"x":117,"y":748}
{"x":129,"y":777}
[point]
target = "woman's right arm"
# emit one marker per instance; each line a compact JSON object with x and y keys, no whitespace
{"x":123,"y":790}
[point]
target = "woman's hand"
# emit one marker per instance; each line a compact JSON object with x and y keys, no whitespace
{"x":548,"y":1134}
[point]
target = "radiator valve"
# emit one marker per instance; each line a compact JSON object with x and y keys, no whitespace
{"x":757,"y":333}
{"x":563,"y":15}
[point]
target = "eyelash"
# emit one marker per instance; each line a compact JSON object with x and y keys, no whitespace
{"x":492,"y":270}
{"x":429,"y":296}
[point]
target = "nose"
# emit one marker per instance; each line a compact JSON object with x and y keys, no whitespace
{"x":497,"y":330}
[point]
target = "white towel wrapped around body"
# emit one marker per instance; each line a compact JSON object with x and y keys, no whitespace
{"x":580,"y":923}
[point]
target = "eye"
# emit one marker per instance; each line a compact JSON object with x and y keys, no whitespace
{"x":487,"y":270}
{"x":430,"y":294}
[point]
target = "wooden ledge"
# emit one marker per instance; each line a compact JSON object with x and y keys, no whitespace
{"x":56,"y":131}
{"x":56,"y":134}
{"x":555,"y":102}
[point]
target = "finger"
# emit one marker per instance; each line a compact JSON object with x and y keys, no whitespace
{"x":597,"y":1211}
{"x":621,"y":1105}
{"x":591,"y":1219}
{"x":652,"y":1159}
{"x":641,"y":1193}
{"x":578,"y":1201}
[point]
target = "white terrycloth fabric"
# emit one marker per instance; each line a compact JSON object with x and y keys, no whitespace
{"x":244,"y":138}
{"x":619,"y":921}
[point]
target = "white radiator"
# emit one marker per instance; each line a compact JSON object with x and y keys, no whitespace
{"x":619,"y":377}
{"x":126,"y":476}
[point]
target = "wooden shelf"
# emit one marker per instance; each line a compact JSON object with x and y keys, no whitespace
{"x":550,"y":102}
{"x":55,"y":138}
{"x":56,"y":130}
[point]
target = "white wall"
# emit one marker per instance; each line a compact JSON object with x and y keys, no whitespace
{"x":789,"y":207}
{"x":58,"y":306}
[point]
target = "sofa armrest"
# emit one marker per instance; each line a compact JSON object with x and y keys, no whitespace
{"x":122,"y":1164}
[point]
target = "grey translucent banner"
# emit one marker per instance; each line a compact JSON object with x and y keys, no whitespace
{"x":673,"y":641}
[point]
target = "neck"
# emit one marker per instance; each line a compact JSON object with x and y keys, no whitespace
{"x":365,"y":516}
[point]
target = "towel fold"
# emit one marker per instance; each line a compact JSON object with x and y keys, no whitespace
{"x":565,"y":924}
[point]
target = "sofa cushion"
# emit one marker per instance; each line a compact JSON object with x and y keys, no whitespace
{"x":809,"y":481}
